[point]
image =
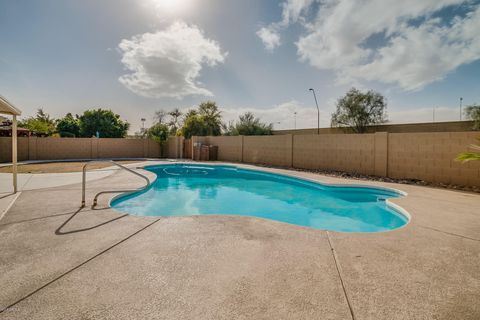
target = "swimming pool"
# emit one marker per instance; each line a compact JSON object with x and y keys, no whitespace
{"x":190,"y":189}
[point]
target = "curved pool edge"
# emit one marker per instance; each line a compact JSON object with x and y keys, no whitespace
{"x":395,"y":207}
{"x":286,"y":174}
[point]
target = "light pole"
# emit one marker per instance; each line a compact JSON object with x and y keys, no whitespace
{"x":295,"y":120}
{"x":461,"y":100}
{"x":318,"y":111}
{"x":143,"y":125}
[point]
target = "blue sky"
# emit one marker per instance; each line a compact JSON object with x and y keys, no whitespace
{"x":138,"y":56}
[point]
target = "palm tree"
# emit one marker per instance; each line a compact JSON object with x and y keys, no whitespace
{"x":160,"y":116}
{"x":469,"y":156}
{"x":174,"y":123}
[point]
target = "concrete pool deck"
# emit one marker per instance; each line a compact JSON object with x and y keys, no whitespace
{"x":58,"y":262}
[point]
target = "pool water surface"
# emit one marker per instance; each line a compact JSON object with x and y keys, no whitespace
{"x":189,"y":189}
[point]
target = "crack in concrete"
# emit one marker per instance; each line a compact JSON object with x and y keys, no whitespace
{"x":76,"y":267}
{"x":449,"y":233}
{"x":337,"y":266}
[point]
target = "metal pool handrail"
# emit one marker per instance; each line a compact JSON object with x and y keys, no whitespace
{"x":84,"y":181}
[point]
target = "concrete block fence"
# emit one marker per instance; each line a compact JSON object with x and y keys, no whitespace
{"x":424,"y":156}
{"x":34,"y":148}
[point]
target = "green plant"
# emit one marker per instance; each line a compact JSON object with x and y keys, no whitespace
{"x":68,"y":126}
{"x":194,"y":125}
{"x":473,"y":112}
{"x":158,"y":132}
{"x":248,"y":125}
{"x":104,"y":122}
{"x":41,"y":124}
{"x":358,"y":110}
{"x":205,"y":121}
{"x":212,"y":117}
{"x":470,"y":156}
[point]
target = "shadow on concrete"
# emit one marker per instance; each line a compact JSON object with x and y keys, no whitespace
{"x":59,"y":231}
{"x":38,"y":218}
{"x":9,"y":194}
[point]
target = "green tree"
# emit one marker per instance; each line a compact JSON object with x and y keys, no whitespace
{"x":357,"y":110}
{"x":105,"y":122}
{"x":248,"y":125}
{"x":174,"y":123}
{"x":194,"y":125}
{"x":158,"y":132}
{"x":68,"y":126}
{"x":40,"y":124}
{"x":205,"y":121}
{"x":212,"y":116}
{"x":473,"y":112}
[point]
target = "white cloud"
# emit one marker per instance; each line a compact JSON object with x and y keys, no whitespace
{"x":270,"y":37}
{"x":291,"y":13}
{"x":400,"y":42}
{"x":167,"y":63}
{"x":282,"y":115}
{"x":292,"y":10}
{"x":419,"y":115}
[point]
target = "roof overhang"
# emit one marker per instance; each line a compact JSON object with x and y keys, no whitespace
{"x":7,"y":108}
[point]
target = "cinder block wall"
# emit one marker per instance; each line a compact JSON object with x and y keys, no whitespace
{"x":34,"y":148}
{"x":60,"y":148}
{"x":425,"y":156}
{"x":351,"y":153}
{"x":430,"y":157}
{"x":229,"y":148}
{"x":448,"y":126}
{"x":6,"y":149}
{"x":272,"y":150}
{"x":173,"y":147}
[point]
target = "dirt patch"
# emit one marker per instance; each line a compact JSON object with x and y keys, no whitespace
{"x":58,"y":167}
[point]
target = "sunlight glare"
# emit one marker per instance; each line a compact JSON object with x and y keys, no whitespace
{"x":171,"y":6}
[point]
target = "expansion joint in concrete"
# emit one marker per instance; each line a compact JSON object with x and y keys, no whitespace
{"x":78,"y":266}
{"x":337,"y":266}
{"x":449,"y":233}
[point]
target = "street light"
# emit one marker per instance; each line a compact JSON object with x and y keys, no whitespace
{"x":295,"y":119}
{"x":461,"y":100}
{"x":143,"y":125}
{"x":318,"y":111}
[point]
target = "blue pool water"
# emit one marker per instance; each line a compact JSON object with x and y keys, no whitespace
{"x":188,"y":189}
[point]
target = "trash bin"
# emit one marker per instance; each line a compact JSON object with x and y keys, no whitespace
{"x":197,"y":151}
{"x":205,"y":153}
{"x":213,"y":153}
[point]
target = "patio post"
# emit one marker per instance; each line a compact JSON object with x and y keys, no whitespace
{"x":14,"y":153}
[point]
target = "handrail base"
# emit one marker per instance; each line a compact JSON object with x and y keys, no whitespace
{"x":84,"y":181}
